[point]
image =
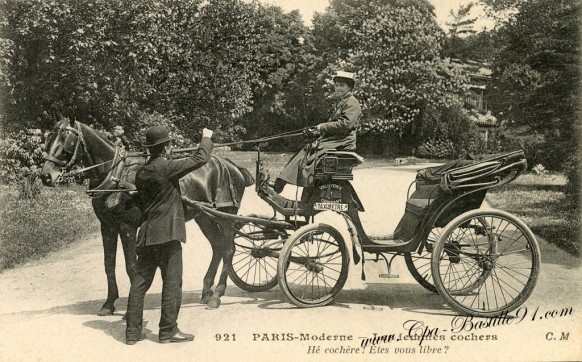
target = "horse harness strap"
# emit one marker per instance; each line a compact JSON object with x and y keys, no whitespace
{"x":80,"y":143}
{"x":233,"y":196}
{"x":81,"y":170}
{"x":113,"y":181}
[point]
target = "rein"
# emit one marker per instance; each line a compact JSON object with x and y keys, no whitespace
{"x":112,"y":178}
{"x":256,"y":140}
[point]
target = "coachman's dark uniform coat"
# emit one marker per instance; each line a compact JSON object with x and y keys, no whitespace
{"x":159,"y":238}
{"x":339,"y":133}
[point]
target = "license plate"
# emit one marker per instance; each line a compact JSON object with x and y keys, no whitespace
{"x":330,"y":206}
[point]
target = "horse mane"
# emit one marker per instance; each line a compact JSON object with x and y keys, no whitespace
{"x":96,"y":132}
{"x":249,"y":179}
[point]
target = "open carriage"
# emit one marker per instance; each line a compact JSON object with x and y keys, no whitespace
{"x":483,"y":262}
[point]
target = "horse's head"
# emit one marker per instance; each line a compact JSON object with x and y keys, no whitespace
{"x":63,"y":150}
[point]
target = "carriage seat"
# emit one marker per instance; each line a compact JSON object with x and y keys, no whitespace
{"x":337,"y":165}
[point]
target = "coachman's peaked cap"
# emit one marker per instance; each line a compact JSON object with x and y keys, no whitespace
{"x":156,"y":135}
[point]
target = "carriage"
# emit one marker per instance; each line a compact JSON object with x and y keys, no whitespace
{"x":482,"y":261}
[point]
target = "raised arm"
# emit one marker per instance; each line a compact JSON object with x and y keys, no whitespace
{"x":180,"y":168}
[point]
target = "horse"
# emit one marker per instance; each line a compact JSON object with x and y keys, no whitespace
{"x":112,"y":172}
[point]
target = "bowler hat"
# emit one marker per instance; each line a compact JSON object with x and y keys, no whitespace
{"x":156,"y":135}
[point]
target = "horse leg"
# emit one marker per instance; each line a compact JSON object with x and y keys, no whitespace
{"x":227,"y":255}
{"x":212,"y":233}
{"x":128,"y":240}
{"x":109,"y":236}
{"x":127,"y":234}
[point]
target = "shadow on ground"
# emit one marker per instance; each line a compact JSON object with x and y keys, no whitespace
{"x":375,"y":296}
{"x":410,"y":297}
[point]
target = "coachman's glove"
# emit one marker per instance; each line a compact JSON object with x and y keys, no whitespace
{"x":311,"y":133}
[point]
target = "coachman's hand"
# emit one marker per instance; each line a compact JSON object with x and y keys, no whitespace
{"x":311,"y":132}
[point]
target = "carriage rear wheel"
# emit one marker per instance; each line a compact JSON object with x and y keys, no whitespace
{"x":485,"y":262}
{"x":313,"y":265}
{"x":254,"y":264}
{"x":419,"y":264}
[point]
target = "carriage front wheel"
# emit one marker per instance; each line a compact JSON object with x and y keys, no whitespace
{"x":313,"y":265}
{"x":485,"y":262}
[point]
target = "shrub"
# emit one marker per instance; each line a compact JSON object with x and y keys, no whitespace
{"x":451,"y":134}
{"x":438,"y":148}
{"x":539,"y":169}
{"x":21,"y":155}
{"x":30,"y":187}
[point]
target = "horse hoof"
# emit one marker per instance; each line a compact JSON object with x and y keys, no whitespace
{"x":206,"y":297}
{"x":105,"y":312}
{"x":213,"y":303}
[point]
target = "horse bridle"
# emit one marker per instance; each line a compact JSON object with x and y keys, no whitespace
{"x":80,"y":147}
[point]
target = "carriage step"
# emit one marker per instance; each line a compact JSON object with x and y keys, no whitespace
{"x":388,"y":276}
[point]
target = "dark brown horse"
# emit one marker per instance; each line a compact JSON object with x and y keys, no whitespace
{"x":110,"y":169}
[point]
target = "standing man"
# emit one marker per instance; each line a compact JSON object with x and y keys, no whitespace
{"x":161,"y":233}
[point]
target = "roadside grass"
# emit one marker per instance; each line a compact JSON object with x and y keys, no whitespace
{"x":539,"y":200}
{"x":30,"y":229}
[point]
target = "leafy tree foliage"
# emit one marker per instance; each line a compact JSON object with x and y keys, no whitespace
{"x":536,"y":79}
{"x":461,"y":26}
{"x":537,"y":73}
{"x":481,"y":47}
{"x":114,"y":62}
{"x":395,"y":47}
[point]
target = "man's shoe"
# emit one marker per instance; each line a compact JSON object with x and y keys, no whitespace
{"x":131,"y":342}
{"x":178,"y":337}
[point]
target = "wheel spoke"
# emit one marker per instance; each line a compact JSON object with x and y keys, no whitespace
{"x":318,"y":266}
{"x":486,"y":278}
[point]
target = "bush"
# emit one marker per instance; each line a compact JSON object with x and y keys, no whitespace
{"x":438,"y":148}
{"x":30,"y":187}
{"x":451,"y":134}
{"x":21,"y":155}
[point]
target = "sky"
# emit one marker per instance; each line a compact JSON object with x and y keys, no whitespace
{"x":442,"y":9}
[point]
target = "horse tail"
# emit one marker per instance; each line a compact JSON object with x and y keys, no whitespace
{"x":248,"y":177}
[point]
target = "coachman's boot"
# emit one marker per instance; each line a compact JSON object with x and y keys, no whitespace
{"x":266,"y":191}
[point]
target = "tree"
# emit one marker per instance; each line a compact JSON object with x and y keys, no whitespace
{"x":193,"y":63}
{"x":460,"y":27}
{"x":536,"y":75}
{"x":395,"y":47}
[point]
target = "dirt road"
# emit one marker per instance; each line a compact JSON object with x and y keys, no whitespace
{"x":47,"y":308}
